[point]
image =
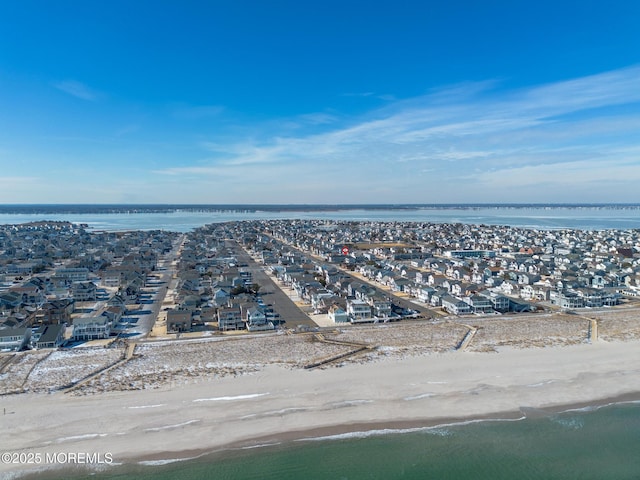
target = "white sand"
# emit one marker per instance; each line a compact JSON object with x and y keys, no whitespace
{"x":275,"y":401}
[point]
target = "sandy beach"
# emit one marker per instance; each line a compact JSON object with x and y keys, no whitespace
{"x":278,"y":401}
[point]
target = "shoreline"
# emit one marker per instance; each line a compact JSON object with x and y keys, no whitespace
{"x":322,"y":434}
{"x":367,"y":429}
{"x":282,"y":405}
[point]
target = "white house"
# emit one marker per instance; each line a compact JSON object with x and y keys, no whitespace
{"x":91,"y":328}
{"x":14,"y":338}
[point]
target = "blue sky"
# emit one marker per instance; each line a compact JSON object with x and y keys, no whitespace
{"x":319,"y":102}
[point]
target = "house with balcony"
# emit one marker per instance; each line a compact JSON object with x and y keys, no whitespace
{"x":14,"y":339}
{"x":91,"y":328}
{"x":358,"y":311}
{"x":479,"y":304}
{"x":230,"y":318}
{"x":257,"y":320}
{"x":73,"y":274}
{"x":84,"y":291}
{"x":567,"y":299}
{"x":381,"y":306}
{"x":455,"y":305}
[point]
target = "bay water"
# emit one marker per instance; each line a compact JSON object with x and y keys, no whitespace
{"x":584,"y":218}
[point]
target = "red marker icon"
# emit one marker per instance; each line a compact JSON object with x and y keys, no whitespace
{"x":345,"y":250}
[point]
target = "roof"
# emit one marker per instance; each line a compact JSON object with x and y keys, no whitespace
{"x":13,"y":332}
{"x":90,"y":320}
{"x":51,"y":333}
{"x":178,"y":316}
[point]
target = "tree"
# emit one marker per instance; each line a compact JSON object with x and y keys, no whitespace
{"x":239,"y":290}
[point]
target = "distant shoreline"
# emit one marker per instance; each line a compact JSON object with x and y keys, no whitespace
{"x":252,"y":208}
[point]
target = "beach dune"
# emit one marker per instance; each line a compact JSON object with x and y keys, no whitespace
{"x":277,"y":403}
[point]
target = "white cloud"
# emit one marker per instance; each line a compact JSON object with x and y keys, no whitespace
{"x":77,"y":89}
{"x":558,"y":134}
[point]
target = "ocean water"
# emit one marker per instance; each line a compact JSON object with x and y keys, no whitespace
{"x":596,"y":444}
{"x":586,"y":218}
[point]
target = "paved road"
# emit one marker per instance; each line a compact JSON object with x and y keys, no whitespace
{"x":272,"y":293}
{"x":397,"y":300}
{"x":156,"y":292}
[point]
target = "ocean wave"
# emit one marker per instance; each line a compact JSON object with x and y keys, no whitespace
{"x":440,"y":430}
{"x":418,"y":397}
{"x":593,"y":408}
{"x":228,"y":399}
{"x":169,"y":427}
{"x":86,"y":436}
{"x":348,"y":403}
{"x":148,"y":406}
{"x":361,"y":434}
{"x":260,"y":445}
{"x":275,"y":413}
{"x":540,"y":384}
{"x":157,"y":463}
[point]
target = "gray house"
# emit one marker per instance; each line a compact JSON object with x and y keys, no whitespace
{"x":230,"y":318}
{"x":50,"y":336}
{"x":178,"y":321}
{"x":257,"y":320}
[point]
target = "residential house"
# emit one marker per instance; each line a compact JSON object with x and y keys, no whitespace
{"x":436,"y":297}
{"x":230,"y":318}
{"x":56,"y":311}
{"x":358,"y":311}
{"x":10,"y":299}
{"x":73,"y":274}
{"x":221,"y":296}
{"x":381,"y":306}
{"x":337,"y":314}
{"x":50,"y":336}
{"x":178,"y":321}
{"x":14,"y":339}
{"x":596,"y":297}
{"x":91,"y":328}
{"x":567,"y":299}
{"x":500,"y":303}
{"x":321,"y":300}
{"x":424,"y":294}
{"x":31,"y":294}
{"x":257,"y":320}
{"x":455,"y":305}
{"x":400,"y":284}
{"x":479,"y":304}
{"x":84,"y":291}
